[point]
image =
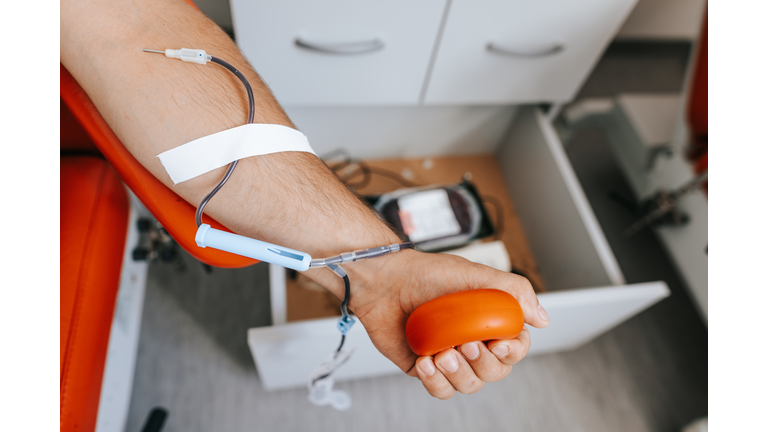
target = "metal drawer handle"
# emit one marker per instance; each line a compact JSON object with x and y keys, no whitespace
{"x":526,"y":50}
{"x":341,"y":48}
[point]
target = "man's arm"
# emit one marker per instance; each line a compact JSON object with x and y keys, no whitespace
{"x":154,"y":104}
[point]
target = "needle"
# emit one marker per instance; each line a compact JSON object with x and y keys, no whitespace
{"x":155,"y":51}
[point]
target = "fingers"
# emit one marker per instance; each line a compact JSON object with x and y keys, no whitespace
{"x":483,"y":362}
{"x":493,"y":362}
{"x":510,"y":352}
{"x":458,"y":371}
{"x":449,"y":371}
{"x":435,"y":382}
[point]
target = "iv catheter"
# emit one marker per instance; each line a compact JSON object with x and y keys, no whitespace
{"x":207,"y":236}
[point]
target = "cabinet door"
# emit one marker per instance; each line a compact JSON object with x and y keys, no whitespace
{"x":286,"y":354}
{"x":578,"y":316}
{"x":339,"y":52}
{"x":520,"y":51}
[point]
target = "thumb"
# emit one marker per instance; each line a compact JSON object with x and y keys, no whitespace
{"x":447,"y":274}
{"x":522,"y":290}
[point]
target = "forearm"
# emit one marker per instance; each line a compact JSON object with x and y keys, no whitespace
{"x":154,"y":104}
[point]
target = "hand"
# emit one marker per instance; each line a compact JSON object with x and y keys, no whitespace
{"x":406,"y":280}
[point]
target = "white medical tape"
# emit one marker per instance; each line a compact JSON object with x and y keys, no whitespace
{"x":222,"y":148}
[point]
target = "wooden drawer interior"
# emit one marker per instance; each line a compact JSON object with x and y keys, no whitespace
{"x":308,"y":300}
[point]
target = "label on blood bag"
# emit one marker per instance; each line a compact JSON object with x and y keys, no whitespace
{"x":427,"y":215}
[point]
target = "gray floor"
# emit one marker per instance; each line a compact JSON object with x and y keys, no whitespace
{"x":648,"y":374}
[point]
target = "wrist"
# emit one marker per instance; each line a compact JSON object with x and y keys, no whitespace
{"x":371,"y":281}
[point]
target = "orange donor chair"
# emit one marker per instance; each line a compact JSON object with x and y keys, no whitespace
{"x":95,"y":206}
{"x":95,"y":168}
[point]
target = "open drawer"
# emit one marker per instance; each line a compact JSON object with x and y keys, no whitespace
{"x":586,"y":294}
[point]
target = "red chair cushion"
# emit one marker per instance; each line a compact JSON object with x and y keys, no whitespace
{"x":94,"y":223}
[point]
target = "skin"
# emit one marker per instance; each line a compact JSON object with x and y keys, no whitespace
{"x":154,"y":104}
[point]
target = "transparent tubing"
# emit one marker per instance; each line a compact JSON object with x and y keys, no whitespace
{"x":251,"y":112}
{"x":360,"y":255}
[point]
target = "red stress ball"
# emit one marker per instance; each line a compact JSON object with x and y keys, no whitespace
{"x":461,"y":317}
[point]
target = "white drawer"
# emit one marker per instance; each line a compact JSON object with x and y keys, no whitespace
{"x":586,"y":292}
{"x":277,"y":39}
{"x":500,"y":52}
{"x":571,"y":251}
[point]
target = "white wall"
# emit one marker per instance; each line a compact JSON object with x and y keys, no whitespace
{"x":389,"y":132}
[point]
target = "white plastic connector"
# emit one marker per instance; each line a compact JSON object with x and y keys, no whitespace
{"x":252,"y":248}
{"x":189,"y":55}
{"x":321,"y":382}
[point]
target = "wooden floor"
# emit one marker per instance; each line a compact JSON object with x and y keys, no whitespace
{"x":648,"y":374}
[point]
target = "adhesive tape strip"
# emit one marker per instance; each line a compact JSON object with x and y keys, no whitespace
{"x":220,"y":149}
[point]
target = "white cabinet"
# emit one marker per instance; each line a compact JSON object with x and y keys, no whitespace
{"x":339,"y":52}
{"x":520,"y":51}
{"x":586,"y":292}
{"x":481,"y":52}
